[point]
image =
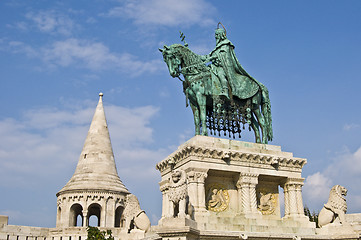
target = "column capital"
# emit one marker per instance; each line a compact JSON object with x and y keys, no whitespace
{"x":247,"y":178}
{"x":164,"y":185}
{"x":197,"y":175}
{"x":295,"y":182}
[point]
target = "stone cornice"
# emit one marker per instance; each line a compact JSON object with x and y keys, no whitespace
{"x":230,"y":155}
{"x":92,"y":191}
{"x":177,"y":231}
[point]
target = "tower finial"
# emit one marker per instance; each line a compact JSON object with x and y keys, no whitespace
{"x":96,"y":167}
{"x":101,"y":94}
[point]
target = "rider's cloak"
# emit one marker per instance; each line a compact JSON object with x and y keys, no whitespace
{"x":240,"y":82}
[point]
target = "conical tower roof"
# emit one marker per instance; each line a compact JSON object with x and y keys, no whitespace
{"x":96,"y":168}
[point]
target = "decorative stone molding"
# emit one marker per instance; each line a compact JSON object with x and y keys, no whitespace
{"x":164,"y":185}
{"x":201,"y":177}
{"x":233,"y":155}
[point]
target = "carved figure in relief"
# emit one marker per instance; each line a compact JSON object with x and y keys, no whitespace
{"x":217,"y":198}
{"x":134,"y":216}
{"x":267,"y":203}
{"x":336,"y":207}
{"x":178,"y":194}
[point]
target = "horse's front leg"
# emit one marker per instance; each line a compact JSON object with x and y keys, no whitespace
{"x":201,"y":99}
{"x":196,"y":118}
{"x":193,"y":103}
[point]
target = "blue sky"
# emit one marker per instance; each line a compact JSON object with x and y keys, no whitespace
{"x":56,"y":56}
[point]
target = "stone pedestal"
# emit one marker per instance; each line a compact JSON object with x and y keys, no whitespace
{"x":234,"y":186}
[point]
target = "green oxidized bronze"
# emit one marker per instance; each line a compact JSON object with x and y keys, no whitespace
{"x":222,"y":95}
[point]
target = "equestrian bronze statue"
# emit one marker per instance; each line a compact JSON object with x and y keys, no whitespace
{"x":222,"y":95}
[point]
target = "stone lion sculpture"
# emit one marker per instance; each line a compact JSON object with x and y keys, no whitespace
{"x":134,"y":216}
{"x":335,"y":208}
{"x":178,"y":194}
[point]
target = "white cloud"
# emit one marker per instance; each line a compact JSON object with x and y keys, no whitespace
{"x":317,"y":187}
{"x":350,"y":126}
{"x":91,"y":20}
{"x":202,"y":49}
{"x":185,"y":136}
{"x":166,"y":12}
{"x":20,"y":47}
{"x":52,"y":22}
{"x":45,"y":141}
{"x":23,"y":26}
{"x":345,"y":170}
{"x":91,"y":54}
{"x":130,"y":125}
{"x":39,"y":152}
{"x":83,"y":53}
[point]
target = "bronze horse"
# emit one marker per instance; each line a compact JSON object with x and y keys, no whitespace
{"x":212,"y":110}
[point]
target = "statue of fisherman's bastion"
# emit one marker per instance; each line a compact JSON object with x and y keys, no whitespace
{"x":212,"y":188}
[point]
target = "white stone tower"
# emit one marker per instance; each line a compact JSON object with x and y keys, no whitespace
{"x":95,"y":189}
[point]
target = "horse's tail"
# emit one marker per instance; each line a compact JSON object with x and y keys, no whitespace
{"x":266,"y":111}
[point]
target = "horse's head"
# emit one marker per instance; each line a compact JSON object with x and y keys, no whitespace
{"x":172,"y":59}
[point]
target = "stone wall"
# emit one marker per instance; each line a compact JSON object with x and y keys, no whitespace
{"x":14,"y":232}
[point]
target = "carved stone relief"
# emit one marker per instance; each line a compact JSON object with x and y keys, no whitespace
{"x":267,"y":203}
{"x":217,"y":197}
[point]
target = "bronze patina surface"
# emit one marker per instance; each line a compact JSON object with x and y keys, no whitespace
{"x":222,"y":95}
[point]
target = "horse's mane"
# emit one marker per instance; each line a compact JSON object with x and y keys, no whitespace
{"x":189,"y":57}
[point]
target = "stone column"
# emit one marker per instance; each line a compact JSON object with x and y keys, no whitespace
{"x":110,"y":212}
{"x":196,"y":188}
{"x":59,"y":213}
{"x":299,"y":199}
{"x":103,"y":212}
{"x":201,"y":176}
{"x":253,"y":195}
{"x":164,"y":186}
{"x":246,"y":186}
{"x":85,"y":218}
{"x":193,"y":189}
{"x":66,"y":221}
{"x":239,"y":195}
{"x":293,"y":198}
{"x":286,"y":200}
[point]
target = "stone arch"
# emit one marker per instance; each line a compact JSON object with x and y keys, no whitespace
{"x":58,"y":214}
{"x":75,"y":210}
{"x":94,"y":209}
{"x":118,"y":216}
